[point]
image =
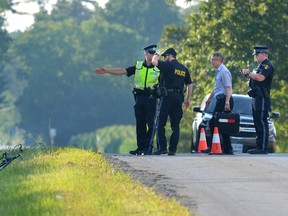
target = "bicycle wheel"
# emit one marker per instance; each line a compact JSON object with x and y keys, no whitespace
{"x":15,"y":150}
{"x":5,"y":163}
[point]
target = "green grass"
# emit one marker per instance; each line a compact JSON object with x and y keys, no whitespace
{"x":71,"y":181}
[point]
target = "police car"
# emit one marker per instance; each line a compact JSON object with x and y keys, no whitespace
{"x":242,"y":141}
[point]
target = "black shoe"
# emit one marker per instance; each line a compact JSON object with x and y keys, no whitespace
{"x":135,"y":152}
{"x":206,"y":151}
{"x":171,"y":153}
{"x":146,"y":152}
{"x":257,"y":151}
{"x":159,"y":152}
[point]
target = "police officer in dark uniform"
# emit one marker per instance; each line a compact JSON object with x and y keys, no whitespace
{"x":173,"y":77}
{"x":145,"y":78}
{"x":260,"y":81}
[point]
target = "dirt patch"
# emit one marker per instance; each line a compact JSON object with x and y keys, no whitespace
{"x":154,"y":180}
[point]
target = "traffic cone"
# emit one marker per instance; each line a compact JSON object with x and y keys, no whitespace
{"x":216,"y":145}
{"x":202,"y":141}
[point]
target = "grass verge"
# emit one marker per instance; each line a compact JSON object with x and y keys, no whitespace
{"x":71,"y":181}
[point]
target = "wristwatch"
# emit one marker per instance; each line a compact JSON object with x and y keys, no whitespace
{"x":247,"y":75}
{"x":227,"y":102}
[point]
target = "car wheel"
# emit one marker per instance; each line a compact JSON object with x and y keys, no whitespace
{"x":193,"y":146}
{"x":194,"y":140}
{"x":271,"y":150}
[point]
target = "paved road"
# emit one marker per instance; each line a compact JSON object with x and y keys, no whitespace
{"x":223,"y":185}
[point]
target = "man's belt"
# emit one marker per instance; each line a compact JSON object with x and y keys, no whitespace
{"x":220,"y":96}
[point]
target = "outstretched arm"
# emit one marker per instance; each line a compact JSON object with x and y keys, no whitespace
{"x":115,"y":71}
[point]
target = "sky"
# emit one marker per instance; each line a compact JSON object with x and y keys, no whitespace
{"x":21,"y":22}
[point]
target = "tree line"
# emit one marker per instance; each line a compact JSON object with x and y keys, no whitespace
{"x":50,"y":67}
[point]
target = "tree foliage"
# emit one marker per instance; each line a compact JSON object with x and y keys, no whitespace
{"x":111,"y":139}
{"x":148,"y":16}
{"x":61,"y":86}
{"x":55,"y":60}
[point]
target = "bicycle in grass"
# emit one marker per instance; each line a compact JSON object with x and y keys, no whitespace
{"x":14,"y":153}
{"x":11,"y":155}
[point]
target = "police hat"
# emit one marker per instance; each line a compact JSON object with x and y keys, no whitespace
{"x":259,"y":49}
{"x":169,"y":51}
{"x":150,"y":49}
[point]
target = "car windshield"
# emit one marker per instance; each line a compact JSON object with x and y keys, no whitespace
{"x":242,"y":105}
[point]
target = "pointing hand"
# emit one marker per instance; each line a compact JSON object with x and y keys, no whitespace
{"x":100,"y":70}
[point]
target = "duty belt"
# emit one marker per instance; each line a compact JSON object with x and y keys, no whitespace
{"x":146,"y":91}
{"x":174,"y":90}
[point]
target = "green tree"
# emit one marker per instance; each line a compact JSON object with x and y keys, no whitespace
{"x":7,"y":114}
{"x":4,"y":37}
{"x":56,"y":59}
{"x":58,"y":64}
{"x":111,"y":139}
{"x":145,"y":17}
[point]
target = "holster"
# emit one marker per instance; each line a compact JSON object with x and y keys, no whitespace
{"x":255,"y":92}
{"x":160,"y":91}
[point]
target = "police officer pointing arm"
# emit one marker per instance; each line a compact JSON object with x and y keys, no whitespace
{"x":145,"y":78}
{"x":260,"y":82}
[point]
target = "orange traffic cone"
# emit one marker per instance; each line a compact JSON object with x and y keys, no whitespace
{"x":216,"y":145}
{"x":202,"y":141}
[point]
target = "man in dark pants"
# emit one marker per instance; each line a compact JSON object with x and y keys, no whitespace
{"x":223,"y":93}
{"x":145,"y":78}
{"x":260,"y":81}
{"x":173,"y":77}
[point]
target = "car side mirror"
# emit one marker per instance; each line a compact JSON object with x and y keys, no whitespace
{"x":197,"y":109}
{"x":275,"y":115}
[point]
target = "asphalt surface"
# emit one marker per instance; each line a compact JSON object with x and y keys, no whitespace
{"x":212,"y":185}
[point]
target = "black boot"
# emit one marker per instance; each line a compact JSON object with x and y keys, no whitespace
{"x":136,"y":152}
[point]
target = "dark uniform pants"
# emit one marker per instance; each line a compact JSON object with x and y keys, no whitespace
{"x":261,"y":127}
{"x":219,"y":107}
{"x":144,"y":113}
{"x":172,"y":107}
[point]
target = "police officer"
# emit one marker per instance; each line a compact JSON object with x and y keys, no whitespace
{"x":145,"y":78}
{"x":260,"y":81}
{"x":173,"y":77}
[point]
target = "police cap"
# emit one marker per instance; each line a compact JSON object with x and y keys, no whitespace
{"x":169,"y":51}
{"x":150,"y":49}
{"x":259,"y":49}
